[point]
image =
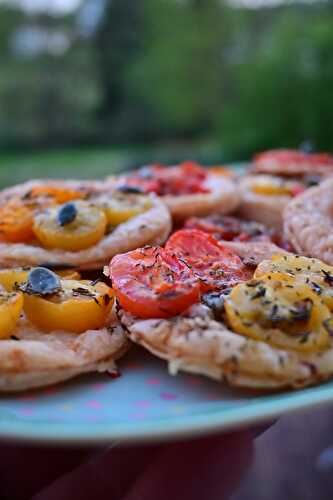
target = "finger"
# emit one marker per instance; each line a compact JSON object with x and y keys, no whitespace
{"x":258,"y":430}
{"x":209,"y":468}
{"x":24,"y":470}
{"x":114,"y":473}
{"x":108,"y":475}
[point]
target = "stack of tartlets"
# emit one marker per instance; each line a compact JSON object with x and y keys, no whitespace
{"x":200,"y":268}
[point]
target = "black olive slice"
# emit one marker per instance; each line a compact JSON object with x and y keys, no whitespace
{"x":41,"y":281}
{"x":215,"y":301}
{"x":130,"y":189}
{"x":55,"y":266}
{"x":145,"y":173}
{"x":67,"y":214}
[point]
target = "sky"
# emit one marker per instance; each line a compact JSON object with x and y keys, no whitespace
{"x":54,"y":6}
{"x":67,"y":6}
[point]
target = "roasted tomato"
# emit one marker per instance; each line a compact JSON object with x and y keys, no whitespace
{"x":275,"y":186}
{"x":17,"y":216}
{"x":9,"y":278}
{"x":320,"y":159}
{"x":272,"y":189}
{"x":75,"y":307}
{"x":119,"y":207}
{"x":216,"y":266}
{"x":220,"y":170}
{"x":281,"y":311}
{"x":297,"y":189}
{"x":315,"y":273}
{"x":54,"y":194}
{"x":10,"y":309}
{"x":225,"y":227}
{"x":16,"y":221}
{"x":186,"y":178}
{"x":69,"y":274}
{"x":150,"y":283}
{"x":292,"y":156}
{"x":73,"y":226}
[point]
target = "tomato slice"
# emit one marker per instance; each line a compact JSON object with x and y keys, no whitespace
{"x":297,"y":189}
{"x":226,"y":227}
{"x":16,"y":222}
{"x":186,"y":178}
{"x":216,"y":266}
{"x":77,"y":307}
{"x":321,"y":159}
{"x":17,"y":215}
{"x":287,"y":156}
{"x":56,"y":194}
{"x":150,"y":283}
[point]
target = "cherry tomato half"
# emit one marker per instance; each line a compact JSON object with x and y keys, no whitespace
{"x":150,"y":283}
{"x":226,"y":227}
{"x":287,"y":156}
{"x":57,"y":195}
{"x":216,"y":266}
{"x":16,"y":222}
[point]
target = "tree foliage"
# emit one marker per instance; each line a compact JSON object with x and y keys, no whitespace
{"x":159,"y":70}
{"x":283,"y":88}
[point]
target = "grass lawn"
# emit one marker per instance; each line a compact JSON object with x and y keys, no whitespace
{"x":62,"y":164}
{"x":97,"y":162}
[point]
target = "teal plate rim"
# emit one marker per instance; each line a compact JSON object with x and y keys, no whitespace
{"x":247,"y":414}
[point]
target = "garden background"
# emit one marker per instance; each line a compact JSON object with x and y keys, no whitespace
{"x":95,"y":86}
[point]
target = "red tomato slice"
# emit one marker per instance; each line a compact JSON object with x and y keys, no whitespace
{"x":321,"y":159}
{"x":150,"y":283}
{"x":287,"y":156}
{"x":225,"y":227}
{"x":219,"y":229}
{"x":283,"y":156}
{"x":296,"y":190}
{"x":216,"y":266}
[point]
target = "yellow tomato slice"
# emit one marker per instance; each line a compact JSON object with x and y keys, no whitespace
{"x":273,"y":189}
{"x":221,"y":170}
{"x":17,"y":216}
{"x":11,"y":305}
{"x":69,"y":274}
{"x":313,"y":272}
{"x":119,"y":207}
{"x":84,"y":231}
{"x":10,"y":277}
{"x":76,"y":308}
{"x":16,"y":222}
{"x":279,"y":310}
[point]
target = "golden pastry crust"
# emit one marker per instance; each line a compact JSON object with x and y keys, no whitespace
{"x":254,"y":252}
{"x":31,"y":358}
{"x":197,"y":343}
{"x":308,"y":222}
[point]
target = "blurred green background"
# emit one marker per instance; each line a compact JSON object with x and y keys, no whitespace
{"x":89,"y":87}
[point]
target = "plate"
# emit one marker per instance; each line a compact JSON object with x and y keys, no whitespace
{"x":144,"y":404}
